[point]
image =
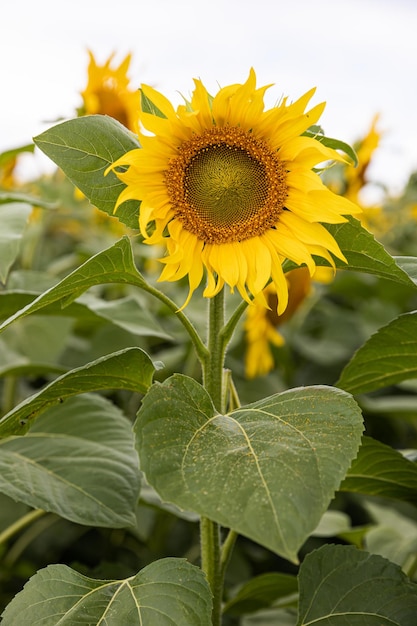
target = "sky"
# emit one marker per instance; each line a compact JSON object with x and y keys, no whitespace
{"x":361,"y":55}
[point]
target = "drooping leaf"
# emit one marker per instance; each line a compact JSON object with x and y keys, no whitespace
{"x":379,"y":470}
{"x":84,"y":148}
{"x":13,"y":219}
{"x":130,"y":369}
{"x":267,"y":470}
{"x":77,"y":461}
{"x":341,"y":585}
{"x":114,"y":265}
{"x":388,"y":357}
{"x":166,"y":592}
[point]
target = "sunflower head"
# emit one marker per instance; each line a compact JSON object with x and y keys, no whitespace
{"x":228,"y":187}
{"x":108,"y":93}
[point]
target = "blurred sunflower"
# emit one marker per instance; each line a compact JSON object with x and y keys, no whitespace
{"x":108,"y":92}
{"x":350,"y":182}
{"x":229,"y":188}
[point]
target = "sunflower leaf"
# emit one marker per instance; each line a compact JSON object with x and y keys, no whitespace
{"x":344,"y":585}
{"x":84,"y":148}
{"x":261,"y":592}
{"x":89,"y":475}
{"x":388,"y":357}
{"x":363,"y":253}
{"x":166,"y":592}
{"x":316,"y":132}
{"x":268,"y":470}
{"x":379,"y":470}
{"x":130,"y":369}
{"x":113,"y":265}
{"x":148,"y":106}
{"x":13,"y":219}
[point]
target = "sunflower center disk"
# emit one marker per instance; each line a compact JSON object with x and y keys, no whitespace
{"x":226,"y":186}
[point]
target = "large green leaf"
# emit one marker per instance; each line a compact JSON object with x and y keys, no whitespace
{"x":388,"y":357}
{"x":84,"y":148}
{"x":267,"y":470}
{"x":167,"y":592}
{"x":343,"y":586}
{"x":13,"y":219}
{"x":77,"y":461}
{"x":379,"y":470}
{"x":130,"y":369}
{"x":114,"y":265}
{"x":364,"y":254}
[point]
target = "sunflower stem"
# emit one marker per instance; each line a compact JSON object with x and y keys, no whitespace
{"x":213,"y":381}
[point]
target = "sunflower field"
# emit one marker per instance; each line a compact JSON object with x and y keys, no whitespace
{"x":208,"y":364}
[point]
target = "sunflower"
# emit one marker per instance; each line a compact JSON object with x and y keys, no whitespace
{"x":229,"y":188}
{"x":261,"y":324}
{"x":108,"y":92}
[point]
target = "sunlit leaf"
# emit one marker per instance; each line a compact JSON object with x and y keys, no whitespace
{"x":344,"y":585}
{"x":166,"y":592}
{"x":130,"y":369}
{"x":388,"y":357}
{"x":77,"y":461}
{"x":267,"y":470}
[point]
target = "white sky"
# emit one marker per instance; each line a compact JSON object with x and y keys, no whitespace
{"x":360,"y":54}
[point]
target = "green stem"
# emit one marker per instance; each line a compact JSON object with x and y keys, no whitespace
{"x":19,"y":524}
{"x":226,"y":552}
{"x":199,"y":346}
{"x":213,"y":381}
{"x":9,"y":394}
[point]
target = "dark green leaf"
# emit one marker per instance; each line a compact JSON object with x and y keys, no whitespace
{"x":343,"y":586}
{"x":78,"y":461}
{"x":260,"y":592}
{"x":267,"y":470}
{"x":379,"y":470}
{"x":387,"y":358}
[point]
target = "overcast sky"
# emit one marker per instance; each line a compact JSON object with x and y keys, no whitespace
{"x":360,"y":54}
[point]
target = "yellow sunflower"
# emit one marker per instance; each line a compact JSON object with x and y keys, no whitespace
{"x":229,"y":188}
{"x":261,"y":324}
{"x":108,"y":92}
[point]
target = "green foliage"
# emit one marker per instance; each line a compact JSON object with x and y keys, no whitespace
{"x":13,"y":219}
{"x":84,"y":148}
{"x":77,"y":461}
{"x":238,"y":469}
{"x":100,"y":373}
{"x":153,"y":596}
{"x":342,"y":585}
